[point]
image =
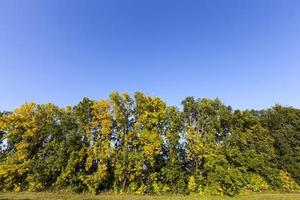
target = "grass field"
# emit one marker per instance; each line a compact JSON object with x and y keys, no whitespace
{"x":65,"y":196}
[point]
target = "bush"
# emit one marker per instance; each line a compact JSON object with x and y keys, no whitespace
{"x":156,"y":188}
{"x":192,"y":186}
{"x":228,"y":181}
{"x":288,"y":183}
{"x":213,"y":189}
{"x":166,"y":189}
{"x":133,"y":186}
{"x":34,"y":183}
{"x":142,"y":189}
{"x":256,"y":183}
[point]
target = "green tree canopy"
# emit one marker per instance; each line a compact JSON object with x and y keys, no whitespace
{"x":139,"y":144}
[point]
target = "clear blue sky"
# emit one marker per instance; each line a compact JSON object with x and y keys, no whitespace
{"x":246,"y":52}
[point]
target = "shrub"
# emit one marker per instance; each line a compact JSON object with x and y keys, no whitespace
{"x":142,"y":189}
{"x":213,"y":189}
{"x":230,"y":181}
{"x":288,"y":183}
{"x":192,"y":186}
{"x":133,"y":186}
{"x":156,"y":188}
{"x":166,"y":189}
{"x":256,"y":183}
{"x":34,"y":184}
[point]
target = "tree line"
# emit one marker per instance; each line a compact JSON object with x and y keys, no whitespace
{"x":138,"y":144}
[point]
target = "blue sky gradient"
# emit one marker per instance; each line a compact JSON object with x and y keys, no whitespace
{"x":247,"y":53}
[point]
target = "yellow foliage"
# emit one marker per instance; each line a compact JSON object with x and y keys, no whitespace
{"x":288,"y":183}
{"x":192,"y":186}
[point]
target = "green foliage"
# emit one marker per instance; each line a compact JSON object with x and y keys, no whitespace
{"x":138,"y":144}
{"x":284,"y":126}
{"x":256,"y":183}
{"x":108,"y":196}
{"x":70,"y":175}
{"x":156,"y":187}
{"x":250,"y":146}
{"x":142,"y":189}
{"x":225,"y":180}
{"x":35,"y":183}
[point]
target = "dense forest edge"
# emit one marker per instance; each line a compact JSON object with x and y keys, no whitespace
{"x":137,"y":144}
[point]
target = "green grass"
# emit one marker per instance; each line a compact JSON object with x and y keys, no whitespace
{"x":69,"y":196}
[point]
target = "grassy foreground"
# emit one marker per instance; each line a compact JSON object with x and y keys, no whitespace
{"x":69,"y":196}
